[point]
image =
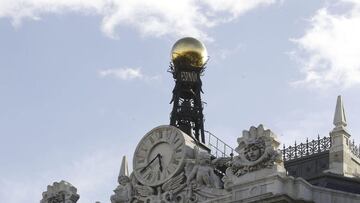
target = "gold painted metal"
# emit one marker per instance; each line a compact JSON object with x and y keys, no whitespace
{"x":190,"y":51}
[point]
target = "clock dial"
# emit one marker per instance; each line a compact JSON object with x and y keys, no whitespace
{"x":159,"y":155}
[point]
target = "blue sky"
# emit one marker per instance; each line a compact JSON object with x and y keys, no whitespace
{"x":82,"y":81}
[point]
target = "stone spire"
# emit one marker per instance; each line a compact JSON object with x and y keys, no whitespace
{"x":341,"y":159}
{"x":339,"y":117}
{"x":124,"y":171}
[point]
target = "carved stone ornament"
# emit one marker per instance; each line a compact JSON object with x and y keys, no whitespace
{"x":196,"y":182}
{"x":169,"y":167}
{"x":257,"y":149}
{"x":124,"y":191}
{"x":202,"y":181}
{"x":60,"y":192}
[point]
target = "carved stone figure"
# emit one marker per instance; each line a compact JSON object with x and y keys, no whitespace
{"x":203,"y":172}
{"x":124,"y":191}
{"x":202,"y":182}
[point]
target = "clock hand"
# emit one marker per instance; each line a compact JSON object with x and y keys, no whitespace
{"x":157,"y":156}
{"x":160,"y":165}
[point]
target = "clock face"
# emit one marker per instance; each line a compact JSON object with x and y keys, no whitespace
{"x":159,"y":155}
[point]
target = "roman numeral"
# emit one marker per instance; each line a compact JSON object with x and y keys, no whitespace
{"x":178,"y":147}
{"x":178,"y":150}
{"x":168,"y":172}
{"x":169,"y":137}
{"x":144,"y":149}
{"x":148,"y":176}
{"x":140,"y":155}
{"x":151,"y":140}
{"x":176,"y":140}
{"x":140,"y":160}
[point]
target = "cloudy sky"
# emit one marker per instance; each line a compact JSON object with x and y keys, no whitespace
{"x":81,"y":81}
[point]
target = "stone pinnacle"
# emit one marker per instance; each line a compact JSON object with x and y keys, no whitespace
{"x":339,"y":118}
{"x":124,"y":171}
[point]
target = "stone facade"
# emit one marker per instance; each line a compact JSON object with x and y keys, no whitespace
{"x":281,"y":188}
{"x":255,"y":174}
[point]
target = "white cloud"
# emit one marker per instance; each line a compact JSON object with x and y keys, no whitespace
{"x":122,"y":73}
{"x":150,"y":17}
{"x":330,"y":49}
{"x":127,"y":74}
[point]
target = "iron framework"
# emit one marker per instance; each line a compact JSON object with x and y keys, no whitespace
{"x":187,"y":112}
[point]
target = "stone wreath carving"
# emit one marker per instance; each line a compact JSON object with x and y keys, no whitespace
{"x":257,"y":149}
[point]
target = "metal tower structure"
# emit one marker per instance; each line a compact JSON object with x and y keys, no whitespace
{"x":188,"y":63}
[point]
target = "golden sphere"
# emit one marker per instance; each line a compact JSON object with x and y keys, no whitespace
{"x":190,"y":51}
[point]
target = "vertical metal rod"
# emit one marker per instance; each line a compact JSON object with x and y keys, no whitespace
{"x":284,"y":152}
{"x":217,"y":146}
{"x":307,"y":146}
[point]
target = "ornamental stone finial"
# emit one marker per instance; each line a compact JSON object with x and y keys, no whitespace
{"x":60,"y":192}
{"x":339,"y":117}
{"x":124,"y":171}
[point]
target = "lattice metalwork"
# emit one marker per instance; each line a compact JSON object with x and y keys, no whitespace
{"x":355,"y":149}
{"x":187,"y":112}
{"x":218,"y":147}
{"x":306,"y":149}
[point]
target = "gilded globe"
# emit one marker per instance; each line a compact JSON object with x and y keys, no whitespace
{"x":189,"y":51}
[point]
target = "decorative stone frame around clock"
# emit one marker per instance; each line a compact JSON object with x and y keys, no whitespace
{"x":178,"y":145}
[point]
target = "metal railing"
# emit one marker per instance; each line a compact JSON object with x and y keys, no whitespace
{"x":218,"y":147}
{"x":355,"y":149}
{"x":306,"y":149}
